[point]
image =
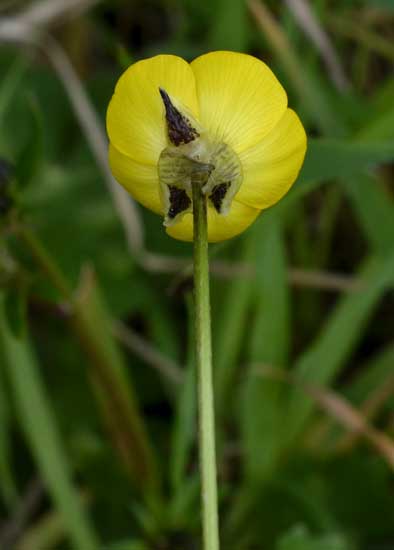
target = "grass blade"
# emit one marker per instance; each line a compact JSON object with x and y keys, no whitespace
{"x":333,"y":159}
{"x":372,"y":375}
{"x":228,"y":339}
{"x":40,"y":429}
{"x":185,"y":420}
{"x":114,"y":392}
{"x":269,"y":343}
{"x":325,"y":357}
{"x":374,"y":209}
{"x":7,"y":485}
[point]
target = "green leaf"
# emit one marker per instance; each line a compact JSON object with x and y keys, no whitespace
{"x":10,"y":84}
{"x":379,"y":123}
{"x":269,"y":339}
{"x":126,"y":545}
{"x":383,"y":4}
{"x":78,"y":191}
{"x":371,"y":375}
{"x":269,"y":344}
{"x":8,"y":487}
{"x":374,"y":208}
{"x":330,"y":159}
{"x":229,"y":332}
{"x":38,"y":422}
{"x":298,"y":538}
{"x":160,"y":317}
{"x":348,"y":163}
{"x":113,"y":386}
{"x":184,"y":429}
{"x":380,"y":127}
{"x":15,"y":305}
{"x":325,"y":357}
{"x":357,"y":490}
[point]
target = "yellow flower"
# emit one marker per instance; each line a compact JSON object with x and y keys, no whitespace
{"x":224,"y":119}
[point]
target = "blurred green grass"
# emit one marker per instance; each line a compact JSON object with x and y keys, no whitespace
{"x":309,"y":288}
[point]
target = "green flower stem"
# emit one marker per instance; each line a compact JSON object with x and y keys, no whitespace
{"x":204,"y":373}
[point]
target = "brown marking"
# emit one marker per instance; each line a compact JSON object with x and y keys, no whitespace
{"x":180,"y":131}
{"x":218,"y":193}
{"x":179,"y":201}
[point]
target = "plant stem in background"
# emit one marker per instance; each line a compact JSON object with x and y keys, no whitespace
{"x":204,"y":373}
{"x":113,"y":390}
{"x":44,"y":260}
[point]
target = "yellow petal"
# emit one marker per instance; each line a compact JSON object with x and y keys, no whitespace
{"x":220,"y":227}
{"x":240,"y":99}
{"x":135,"y":117}
{"x":140,"y":180}
{"x":271,"y":167}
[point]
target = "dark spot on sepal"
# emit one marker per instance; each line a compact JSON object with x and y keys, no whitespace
{"x":217,"y":195}
{"x":179,"y":201}
{"x":180,"y":131}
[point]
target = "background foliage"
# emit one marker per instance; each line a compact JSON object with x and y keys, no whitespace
{"x":97,"y":390}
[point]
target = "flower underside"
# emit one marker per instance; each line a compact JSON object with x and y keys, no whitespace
{"x":192,"y":157}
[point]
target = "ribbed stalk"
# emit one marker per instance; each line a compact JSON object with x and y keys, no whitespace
{"x":204,"y":373}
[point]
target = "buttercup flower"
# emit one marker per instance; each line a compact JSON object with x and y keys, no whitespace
{"x":222,"y":119}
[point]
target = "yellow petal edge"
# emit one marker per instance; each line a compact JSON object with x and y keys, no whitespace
{"x":220,"y":228}
{"x":272,"y":165}
{"x":135,"y":119}
{"x":238,"y":100}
